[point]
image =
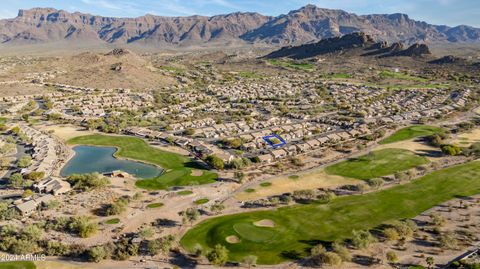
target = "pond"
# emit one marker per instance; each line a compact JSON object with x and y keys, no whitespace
{"x":89,"y":159}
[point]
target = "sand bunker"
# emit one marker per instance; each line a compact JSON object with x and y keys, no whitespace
{"x":232,"y":239}
{"x":265,"y":223}
{"x":197,"y":173}
{"x":312,"y":179}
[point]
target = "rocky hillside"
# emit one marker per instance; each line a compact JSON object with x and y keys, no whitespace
{"x":308,"y":24}
{"x":366,"y":44}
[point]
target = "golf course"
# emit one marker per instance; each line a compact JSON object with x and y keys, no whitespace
{"x":410,"y":132}
{"x":376,"y":164}
{"x":287,"y":233}
{"x":177,"y":168}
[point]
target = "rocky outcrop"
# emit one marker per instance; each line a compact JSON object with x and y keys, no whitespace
{"x":330,"y":45}
{"x":449,"y":59}
{"x":415,"y":50}
{"x":349,"y":42}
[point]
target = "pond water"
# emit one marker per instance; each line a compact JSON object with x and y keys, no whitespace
{"x":89,"y":159}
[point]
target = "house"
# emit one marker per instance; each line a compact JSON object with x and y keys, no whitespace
{"x":265,"y":158}
{"x":323,"y":140}
{"x":225,"y":156}
{"x":118,"y":174}
{"x":279,"y":153}
{"x":27,"y":207}
{"x":52,"y":185}
{"x":313,"y":143}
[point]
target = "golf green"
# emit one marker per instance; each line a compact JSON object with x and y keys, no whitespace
{"x":376,"y":164}
{"x":297,"y":228}
{"x":411,"y":132}
{"x":177,"y":168}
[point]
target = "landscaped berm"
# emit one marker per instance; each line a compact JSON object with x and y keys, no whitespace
{"x":377,"y":163}
{"x":294,"y":230}
{"x":177,"y":168}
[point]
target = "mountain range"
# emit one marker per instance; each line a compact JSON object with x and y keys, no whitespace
{"x":305,"y":25}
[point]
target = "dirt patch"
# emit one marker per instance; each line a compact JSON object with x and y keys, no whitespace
{"x":312,"y":179}
{"x":232,"y":239}
{"x":65,"y":132}
{"x":265,"y":223}
{"x":196,"y":172}
{"x":467,"y":139}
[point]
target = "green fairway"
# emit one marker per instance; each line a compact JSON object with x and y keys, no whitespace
{"x":292,"y":65}
{"x":376,"y":164}
{"x":17,"y":265}
{"x":297,"y":228}
{"x":411,"y":132}
{"x":177,"y":168}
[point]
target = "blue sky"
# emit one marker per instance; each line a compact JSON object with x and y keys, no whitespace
{"x":449,"y":12}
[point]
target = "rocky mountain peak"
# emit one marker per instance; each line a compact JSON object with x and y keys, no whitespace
{"x":305,"y":25}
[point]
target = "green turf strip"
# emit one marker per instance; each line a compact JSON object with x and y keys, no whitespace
{"x":17,"y":265}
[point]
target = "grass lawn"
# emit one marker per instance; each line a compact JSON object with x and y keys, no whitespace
{"x":155,"y":205}
{"x":17,"y":265}
{"x":182,"y":193}
{"x":376,"y":164}
{"x":400,"y":76}
{"x":112,"y":221}
{"x":297,"y":228}
{"x":201,"y":201}
{"x":293,"y":65}
{"x":177,"y":168}
{"x":411,"y":132}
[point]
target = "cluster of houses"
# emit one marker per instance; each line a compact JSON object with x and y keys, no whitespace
{"x":99,"y":103}
{"x":48,"y":154}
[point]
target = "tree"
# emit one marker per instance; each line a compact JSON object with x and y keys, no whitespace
{"x":430,"y":261}
{"x":437,"y":219}
{"x":391,"y":234}
{"x":250,"y":260}
{"x":342,"y":251}
{"x":24,"y":162}
{"x":392,"y":257}
{"x":147,"y":232}
{"x":218,"y":255}
{"x":190,"y":215}
{"x":16,"y":180}
{"x":448,"y":240}
{"x":215,"y":162}
{"x":375,"y":183}
{"x":362,"y":239}
{"x":87,"y":182}
{"x":452,"y":150}
{"x":97,"y":254}
{"x":35,"y":176}
{"x":116,"y":208}
{"x":217,"y":207}
{"x":189,"y":131}
{"x":332,"y":259}
{"x":27,"y":193}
